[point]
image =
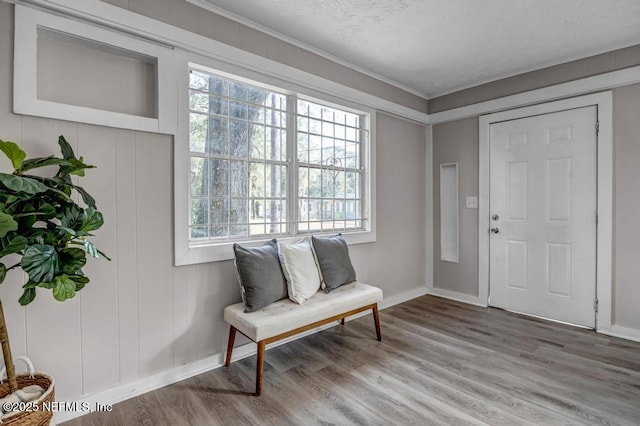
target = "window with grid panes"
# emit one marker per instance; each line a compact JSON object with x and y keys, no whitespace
{"x":329,"y":178}
{"x":256,"y":173}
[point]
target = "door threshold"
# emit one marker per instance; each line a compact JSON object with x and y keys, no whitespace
{"x":546,"y":319}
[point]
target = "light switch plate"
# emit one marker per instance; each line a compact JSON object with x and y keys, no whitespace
{"x":472,"y":202}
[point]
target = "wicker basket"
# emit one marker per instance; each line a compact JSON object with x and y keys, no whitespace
{"x":40,"y":417}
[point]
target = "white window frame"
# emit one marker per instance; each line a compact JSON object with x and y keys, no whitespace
{"x":187,"y":253}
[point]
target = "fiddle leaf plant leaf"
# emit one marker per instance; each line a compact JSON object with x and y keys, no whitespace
{"x":10,"y":245}
{"x":80,"y":281}
{"x":65,"y":288}
{"x":71,"y":217}
{"x":77,"y":167}
{"x":3,"y":272}
{"x":86,"y":197}
{"x":34,"y":163}
{"x":22,"y":184}
{"x":7,"y":224}
{"x":92,"y":220}
{"x":13,"y":153}
{"x":28,"y":296}
{"x":40,"y":262}
{"x":91,"y":248}
{"x":65,"y":148}
{"x":72,"y":260}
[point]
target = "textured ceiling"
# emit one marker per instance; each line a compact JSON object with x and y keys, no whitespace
{"x":438,"y":46}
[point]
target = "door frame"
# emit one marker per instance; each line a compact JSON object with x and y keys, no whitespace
{"x":604,"y":104}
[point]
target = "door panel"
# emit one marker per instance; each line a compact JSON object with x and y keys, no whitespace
{"x":543,"y":206}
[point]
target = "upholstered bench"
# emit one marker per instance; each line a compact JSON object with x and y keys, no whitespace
{"x":285,"y":318}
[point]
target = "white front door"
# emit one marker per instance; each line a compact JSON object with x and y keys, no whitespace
{"x":543,"y":215}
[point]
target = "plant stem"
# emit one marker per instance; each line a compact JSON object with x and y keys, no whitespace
{"x":6,"y":353}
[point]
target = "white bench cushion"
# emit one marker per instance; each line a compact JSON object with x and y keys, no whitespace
{"x":285,"y":315}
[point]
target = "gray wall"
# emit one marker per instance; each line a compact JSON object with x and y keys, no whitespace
{"x":140,"y":315}
{"x":458,"y":141}
{"x":626,"y":206}
{"x":606,"y":62}
{"x":454,"y":143}
{"x":192,"y":18}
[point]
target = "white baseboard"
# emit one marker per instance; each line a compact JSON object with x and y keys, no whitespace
{"x":387,"y":302}
{"x":459,"y":297}
{"x":622,"y":332}
{"x":130,"y":390}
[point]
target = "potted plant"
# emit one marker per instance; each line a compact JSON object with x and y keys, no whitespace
{"x":43,"y":230}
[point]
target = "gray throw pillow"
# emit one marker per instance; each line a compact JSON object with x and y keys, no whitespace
{"x":260,"y":275}
{"x":333,"y":259}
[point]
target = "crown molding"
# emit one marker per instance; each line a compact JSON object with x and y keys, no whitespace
{"x":204,"y":4}
{"x":609,"y":80}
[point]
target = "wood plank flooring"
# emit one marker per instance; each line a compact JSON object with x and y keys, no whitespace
{"x":440,"y":362}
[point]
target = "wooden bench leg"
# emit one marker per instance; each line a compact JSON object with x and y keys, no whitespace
{"x":260,"y":367}
{"x":376,"y":320}
{"x":232,"y":339}
{"x":342,"y":321}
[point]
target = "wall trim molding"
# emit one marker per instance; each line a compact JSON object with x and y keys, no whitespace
{"x":622,"y":332}
{"x":283,"y":37}
{"x":457,"y":296}
{"x":582,"y":86}
{"x":130,"y":390}
{"x":604,"y":103}
{"x":115,"y":18}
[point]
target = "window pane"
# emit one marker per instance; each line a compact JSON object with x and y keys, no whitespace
{"x":198,"y":80}
{"x":256,"y":114}
{"x":256,"y":141}
{"x":238,"y":91}
{"x":315,"y":126}
{"x":218,"y":139}
{"x":239,"y":179}
{"x":198,"y":101}
{"x":315,"y":149}
{"x":314,"y":187}
{"x":197,"y":132}
{"x":351,"y":155}
{"x":239,"y":218}
{"x":238,"y":110}
{"x":303,"y":148}
{"x":199,"y":177}
{"x":218,"y":85}
{"x":199,"y":232}
{"x":219,"y":211}
{"x":303,"y":124}
{"x":257,"y":96}
{"x":239,"y":139}
{"x":219,"y":178}
{"x":200,"y":212}
{"x":218,"y":105}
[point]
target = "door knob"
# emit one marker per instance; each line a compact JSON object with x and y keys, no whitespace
{"x":495,"y":217}
{"x":494,"y":230}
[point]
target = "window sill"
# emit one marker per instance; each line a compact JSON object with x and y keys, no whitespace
{"x":224,"y":251}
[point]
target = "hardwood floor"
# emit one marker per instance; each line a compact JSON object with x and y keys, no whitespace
{"x":439,"y":362}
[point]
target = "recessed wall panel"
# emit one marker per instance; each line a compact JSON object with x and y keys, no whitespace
{"x":517,"y":190}
{"x":559,"y":189}
{"x":517,"y":264}
{"x":449,"y":212}
{"x":559,"y":269}
{"x":74,"y":71}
